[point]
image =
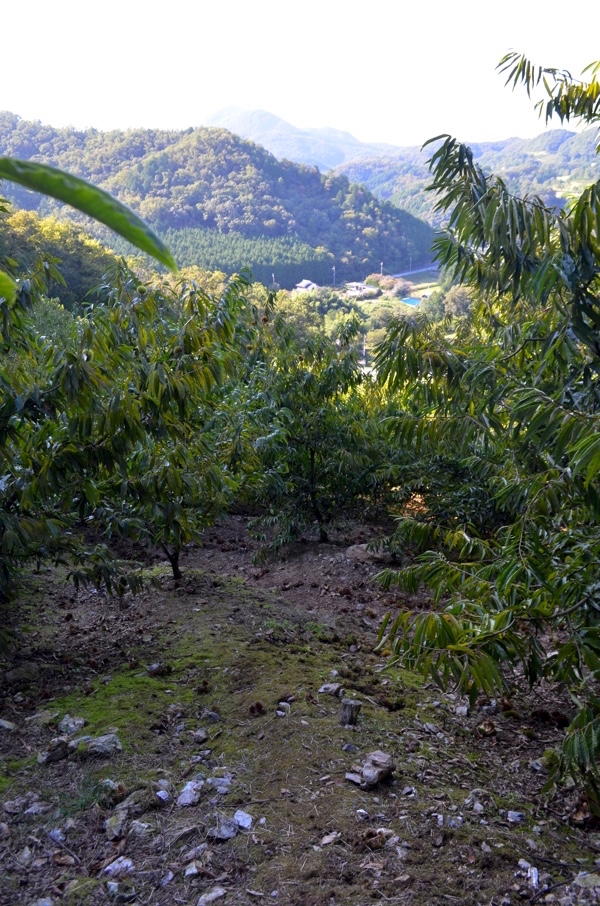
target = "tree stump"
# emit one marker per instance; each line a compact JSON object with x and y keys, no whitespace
{"x":349,"y":713}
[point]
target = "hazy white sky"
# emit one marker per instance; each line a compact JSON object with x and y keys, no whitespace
{"x":393,"y":71}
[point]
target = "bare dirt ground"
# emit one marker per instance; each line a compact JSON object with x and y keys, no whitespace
{"x":215,"y":685}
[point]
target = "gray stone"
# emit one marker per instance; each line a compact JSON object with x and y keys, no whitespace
{"x":100,"y":746}
{"x":194,"y":853}
{"x":332,"y":689}
{"x":193,"y":869}
{"x":42,"y":718}
{"x":44,"y":901}
{"x":140,"y":829}
{"x":4,"y":830}
{"x":190,"y":794}
{"x":57,"y":750}
{"x":7,"y":726}
{"x":221,"y":783}
{"x":224,"y":829}
{"x":17,"y":806}
{"x":70,"y":725}
{"x":515,"y":817}
{"x":361,"y":552}
{"x":587,"y":880}
{"x":115,"y":825}
{"x":377,"y":767}
{"x":120,"y":868}
{"x":37,"y":808}
{"x":200,"y":736}
{"x":25,"y":856}
{"x":243,"y":819}
{"x":215,"y":894}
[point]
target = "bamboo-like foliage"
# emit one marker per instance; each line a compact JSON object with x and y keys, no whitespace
{"x":502,"y":412}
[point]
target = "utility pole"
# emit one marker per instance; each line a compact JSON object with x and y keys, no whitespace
{"x":382,"y":268}
{"x":333,"y":269}
{"x":410,"y":264}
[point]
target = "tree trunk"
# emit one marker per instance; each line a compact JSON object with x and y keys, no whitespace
{"x":173,"y":559}
{"x":323,"y":537}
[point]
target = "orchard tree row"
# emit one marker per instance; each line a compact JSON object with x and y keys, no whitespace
{"x":480,"y":432}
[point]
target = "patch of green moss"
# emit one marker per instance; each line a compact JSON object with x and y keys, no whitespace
{"x":130,"y":702}
{"x":10,"y":767}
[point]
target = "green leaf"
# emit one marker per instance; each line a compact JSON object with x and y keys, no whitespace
{"x":90,"y":200}
{"x":8,"y":287}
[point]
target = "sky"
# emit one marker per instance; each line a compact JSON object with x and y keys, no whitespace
{"x":393,"y":71}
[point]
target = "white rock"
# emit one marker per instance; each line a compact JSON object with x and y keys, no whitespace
{"x":515,"y":817}
{"x":220,"y":783}
{"x":38,"y":808}
{"x":330,"y":838}
{"x":139,"y":829}
{"x":332,"y":689}
{"x":224,"y":829}
{"x":120,"y":868}
{"x":70,"y":725}
{"x":25,"y":856}
{"x":243,"y":819}
{"x":215,"y":894}
{"x":190,"y":794}
{"x":194,"y":853}
{"x":7,"y":726}
{"x":115,"y":825}
{"x":109,"y":744}
{"x":587,"y":881}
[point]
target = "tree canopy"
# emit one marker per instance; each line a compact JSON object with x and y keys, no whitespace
{"x":504,"y":417}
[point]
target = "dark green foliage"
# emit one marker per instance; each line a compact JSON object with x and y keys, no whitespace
{"x":113,"y":427}
{"x":208,"y":179}
{"x":316,"y":421}
{"x":511,"y":400}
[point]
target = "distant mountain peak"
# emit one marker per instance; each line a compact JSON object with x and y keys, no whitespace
{"x":322,"y":146}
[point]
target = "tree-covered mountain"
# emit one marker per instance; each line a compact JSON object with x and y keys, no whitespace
{"x":552,"y":165}
{"x":210,"y":189}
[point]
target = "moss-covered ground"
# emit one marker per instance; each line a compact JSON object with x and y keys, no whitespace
{"x":225,"y":653}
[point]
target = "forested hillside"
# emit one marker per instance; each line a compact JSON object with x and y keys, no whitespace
{"x":552,"y":165}
{"x":210,"y":189}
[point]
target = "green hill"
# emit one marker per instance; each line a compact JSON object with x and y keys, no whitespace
{"x":552,"y":165}
{"x":209,"y":189}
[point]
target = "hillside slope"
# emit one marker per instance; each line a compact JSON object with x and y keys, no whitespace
{"x":209,"y":188}
{"x":552,"y":165}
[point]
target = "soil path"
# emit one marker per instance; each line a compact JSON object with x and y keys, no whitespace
{"x":211,"y":690}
